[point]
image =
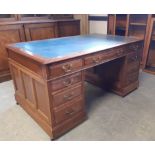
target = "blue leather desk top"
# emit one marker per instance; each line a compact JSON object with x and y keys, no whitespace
{"x":66,"y":46}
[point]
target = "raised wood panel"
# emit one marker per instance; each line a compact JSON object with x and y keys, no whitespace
{"x":9,"y":34}
{"x":32,"y":91}
{"x":42,"y":99}
{"x":40,"y":31}
{"x":17,"y":80}
{"x":68,"y":28}
{"x":29,"y":91}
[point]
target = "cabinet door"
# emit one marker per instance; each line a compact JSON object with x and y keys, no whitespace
{"x":8,"y":34}
{"x":68,"y":28}
{"x":40,"y":31}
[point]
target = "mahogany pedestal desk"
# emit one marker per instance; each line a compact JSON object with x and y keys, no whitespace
{"x":49,"y":75}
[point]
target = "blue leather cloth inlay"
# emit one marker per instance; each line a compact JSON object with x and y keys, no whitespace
{"x":61,"y":47}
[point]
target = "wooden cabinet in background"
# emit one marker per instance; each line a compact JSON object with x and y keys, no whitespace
{"x":40,"y":31}
{"x":11,"y":32}
{"x":117,"y":24}
{"x":8,"y":17}
{"x":149,"y":55}
{"x":33,"y":16}
{"x":8,"y":34}
{"x":136,"y":25}
{"x":68,"y":28}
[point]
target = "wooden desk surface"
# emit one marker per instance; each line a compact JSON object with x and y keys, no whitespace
{"x":52,"y":50}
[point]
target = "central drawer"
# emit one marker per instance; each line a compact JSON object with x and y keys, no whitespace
{"x":104,"y":56}
{"x":67,"y":95}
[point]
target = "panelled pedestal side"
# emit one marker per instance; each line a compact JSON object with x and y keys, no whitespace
{"x":31,"y":89}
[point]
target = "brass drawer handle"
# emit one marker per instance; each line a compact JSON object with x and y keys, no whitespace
{"x":118,"y":54}
{"x":69,"y":96}
{"x":135,"y":58}
{"x":67,"y":67}
{"x":134,"y":47}
{"x":69,"y":112}
{"x":97,"y":59}
{"x":68,"y":82}
{"x":121,"y":50}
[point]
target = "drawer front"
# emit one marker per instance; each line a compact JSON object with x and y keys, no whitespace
{"x":66,"y":81}
{"x":65,"y":68}
{"x":133,"y":67}
{"x":135,"y":47}
{"x":104,"y":56}
{"x":66,"y":96}
{"x":93,"y":59}
{"x":133,"y":57}
{"x":67,"y":112}
{"x":132,"y":78}
{"x":115,"y":53}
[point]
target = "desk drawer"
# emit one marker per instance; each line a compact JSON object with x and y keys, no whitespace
{"x":104,"y":56}
{"x":66,"y":81}
{"x":60,"y":69}
{"x":132,"y":78}
{"x":67,"y":112}
{"x":135,"y":47}
{"x":134,"y":56}
{"x":67,"y":95}
{"x":93,"y":59}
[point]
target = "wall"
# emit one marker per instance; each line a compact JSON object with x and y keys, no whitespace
{"x":97,"y":24}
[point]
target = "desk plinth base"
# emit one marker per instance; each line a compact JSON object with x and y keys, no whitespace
{"x":126,"y":90}
{"x":57,"y":131}
{"x":5,"y":76}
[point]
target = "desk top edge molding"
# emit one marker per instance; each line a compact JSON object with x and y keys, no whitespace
{"x":46,"y":61}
